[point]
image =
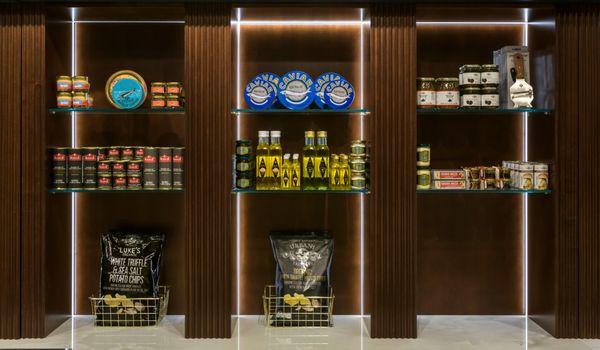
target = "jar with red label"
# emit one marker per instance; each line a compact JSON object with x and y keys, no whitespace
{"x":80,"y":100}
{"x":174,"y":88}
{"x":158,"y":88}
{"x":64,"y":83}
{"x":119,"y":166}
{"x":64,"y":100}
{"x":150,"y":159}
{"x":104,"y":182}
{"x":173,"y":101}
{"x":126,"y":153}
{"x":119,"y":182}
{"x":81,"y":83}
{"x":134,"y":182}
{"x":134,"y":167}
{"x":104,"y":167}
{"x":158,"y":101}
{"x":138,"y":153}
{"x":114,"y":153}
{"x":178,"y":159}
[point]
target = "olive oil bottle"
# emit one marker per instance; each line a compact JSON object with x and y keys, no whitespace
{"x":344,"y":172}
{"x":286,"y":173}
{"x":275,"y":158}
{"x":334,"y":173}
{"x":296,"y":174}
{"x":309,"y":155}
{"x":322,"y":161}
{"x":263,"y":172}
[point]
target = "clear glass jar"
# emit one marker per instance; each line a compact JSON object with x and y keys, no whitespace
{"x":470,"y":74}
{"x":470,"y":97}
{"x":447,"y":93}
{"x":81,"y":83}
{"x":490,"y":98}
{"x":490,"y":75}
{"x":64,"y":83}
{"x":425,"y":93}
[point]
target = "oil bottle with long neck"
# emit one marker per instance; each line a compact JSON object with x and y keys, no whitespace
{"x":334,"y":173}
{"x":286,"y":172}
{"x":296,"y":172}
{"x":263,"y":173}
{"x":309,"y":154}
{"x":275,"y":159}
{"x":322,"y":163}
{"x":344,"y":172}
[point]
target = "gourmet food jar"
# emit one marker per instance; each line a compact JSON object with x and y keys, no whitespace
{"x":423,"y":155}
{"x":490,"y":76}
{"x":540,"y":176}
{"x":64,"y":83}
{"x":490,"y":98}
{"x":81,"y":83}
{"x":470,"y":75}
{"x":425,"y":93}
{"x":447,"y":93}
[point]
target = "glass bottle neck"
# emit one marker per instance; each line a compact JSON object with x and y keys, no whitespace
{"x":274,"y":140}
{"x":263,"y":140}
{"x":309,"y":140}
{"x":322,"y":141}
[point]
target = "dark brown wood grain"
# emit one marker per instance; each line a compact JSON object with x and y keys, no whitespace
{"x":10,"y":170}
{"x":392,"y":222}
{"x":209,"y":133}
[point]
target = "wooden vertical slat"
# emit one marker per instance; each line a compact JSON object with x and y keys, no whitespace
{"x":208,"y":132}
{"x":10,"y":170}
{"x":392,"y":204}
{"x":33,"y":180}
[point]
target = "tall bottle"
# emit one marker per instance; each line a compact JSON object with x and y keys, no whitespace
{"x":322,"y":176}
{"x":275,"y":159}
{"x":309,"y":154}
{"x":345,"y":173}
{"x":334,"y":173}
{"x":263,"y":172}
{"x":286,"y":173}
{"x":296,"y":173}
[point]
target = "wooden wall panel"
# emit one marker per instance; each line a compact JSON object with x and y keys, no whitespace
{"x":209,"y":134}
{"x":578,"y":295}
{"x":10,"y":170}
{"x":33,"y":180}
{"x":392,"y":204}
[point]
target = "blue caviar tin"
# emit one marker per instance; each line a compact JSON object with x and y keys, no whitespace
{"x":296,"y":90}
{"x":339,"y":94}
{"x":260,"y":94}
{"x":273,"y":79}
{"x":320,"y":84}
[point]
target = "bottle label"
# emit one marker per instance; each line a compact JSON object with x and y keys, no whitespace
{"x":490,"y":78}
{"x":425,"y":98}
{"x":275,"y":167}
{"x":469,"y":78}
{"x":335,"y":177}
{"x":285,"y":178}
{"x":295,"y":178}
{"x":261,"y":168}
{"x":345,"y":178}
{"x":323,"y":172}
{"x":309,"y":167}
{"x":447,"y":98}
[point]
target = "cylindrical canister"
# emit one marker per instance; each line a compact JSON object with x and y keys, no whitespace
{"x":104,"y":167}
{"x":104,"y":182}
{"x":150,"y":180}
{"x":138,"y":153}
{"x":74,"y":177}
{"x":177,"y":159}
{"x":59,"y":159}
{"x":114,"y":153}
{"x":165,"y":159}
{"x":119,"y":167}
{"x":89,"y":181}
{"x":134,"y":167}
{"x":134,"y":182}
{"x":177,"y":180}
{"x":90,"y":157}
{"x":119,"y":182}
{"x":127,"y":153}
{"x":150,"y":159}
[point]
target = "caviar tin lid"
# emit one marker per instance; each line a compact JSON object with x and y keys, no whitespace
{"x":339,"y":94}
{"x":260,"y":94}
{"x":296,"y":90}
{"x":320,"y":84}
{"x":271,"y":78}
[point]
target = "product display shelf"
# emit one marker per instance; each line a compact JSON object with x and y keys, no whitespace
{"x":359,"y":111}
{"x":254,"y":191}
{"x":495,"y":191}
{"x":114,"y":111}
{"x":82,"y":190}
{"x":543,"y":111}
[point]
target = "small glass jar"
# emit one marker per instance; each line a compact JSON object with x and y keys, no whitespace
{"x":244,"y":180}
{"x":245,"y":163}
{"x":358,"y":148}
{"x":540,"y":176}
{"x":423,"y":155}
{"x":64,"y":100}
{"x":490,"y":98}
{"x":357,"y":163}
{"x":158,"y":88}
{"x":80,"y":100}
{"x":81,"y":83}
{"x":470,"y":97}
{"x":173,"y":101}
{"x":470,"y":74}
{"x":243,"y":147}
{"x":64,"y":83}
{"x":174,"y":88}
{"x":490,"y":76}
{"x":526,"y":176}
{"x":158,"y":101}
{"x":447,"y":93}
{"x":425,"y":93}
{"x":423,"y":178}
{"x":357,"y":182}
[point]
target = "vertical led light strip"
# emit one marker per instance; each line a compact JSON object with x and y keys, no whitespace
{"x":362,"y":137}
{"x":525,"y":204}
{"x":73,"y":144}
{"x":238,"y":136}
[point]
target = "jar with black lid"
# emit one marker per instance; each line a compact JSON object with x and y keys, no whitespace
{"x":490,"y":98}
{"x":470,"y":74}
{"x":470,"y":97}
{"x":490,"y":75}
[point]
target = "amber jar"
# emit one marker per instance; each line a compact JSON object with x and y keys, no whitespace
{"x":158,"y":101}
{"x":173,"y":101}
{"x":64,"y":83}
{"x":447,"y":93}
{"x":158,"y":88}
{"x":173,"y":88}
{"x":81,"y":83}
{"x":64,"y":100}
{"x":425,"y":93}
{"x":80,"y":100}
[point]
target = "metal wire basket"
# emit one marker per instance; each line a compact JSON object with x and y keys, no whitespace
{"x":130,"y":312}
{"x":297,"y":311}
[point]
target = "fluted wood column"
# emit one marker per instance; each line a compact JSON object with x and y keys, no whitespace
{"x":578,"y":128}
{"x":209,"y":137}
{"x":10,"y":171}
{"x":392,"y":203}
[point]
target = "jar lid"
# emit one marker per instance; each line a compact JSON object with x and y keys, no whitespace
{"x":154,"y":83}
{"x":426,"y":79}
{"x":80,"y":77}
{"x":64,"y":94}
{"x":471,"y":89}
{"x":174,"y":83}
{"x":471,"y":67}
{"x":243,"y":143}
{"x":79,"y":93}
{"x":343,"y":157}
{"x":486,"y":67}
{"x":489,"y":90}
{"x":159,"y":96}
{"x":335,"y":157}
{"x":64,"y":77}
{"x":447,"y":79}
{"x":540,"y":166}
{"x":423,"y":145}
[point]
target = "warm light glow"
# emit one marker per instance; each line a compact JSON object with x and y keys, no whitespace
{"x":128,"y":22}
{"x":475,"y":23}
{"x":297,"y":23}
{"x":238,"y":135}
{"x":73,"y":195}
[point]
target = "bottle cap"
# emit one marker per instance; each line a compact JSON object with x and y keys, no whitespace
{"x":343,"y":156}
{"x":263,"y":133}
{"x":309,"y":133}
{"x":286,"y":156}
{"x":321,"y":133}
{"x":296,"y":156}
{"x":275,"y":133}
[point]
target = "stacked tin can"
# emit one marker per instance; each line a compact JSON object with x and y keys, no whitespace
{"x":359,"y":165}
{"x":59,"y":167}
{"x":479,"y":86}
{"x":73,"y":92}
{"x":244,"y":164}
{"x":167,"y":95}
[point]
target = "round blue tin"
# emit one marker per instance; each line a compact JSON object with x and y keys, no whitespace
{"x":296,"y":90}
{"x":260,"y":94}
{"x":320,"y":84}
{"x":339,"y":94}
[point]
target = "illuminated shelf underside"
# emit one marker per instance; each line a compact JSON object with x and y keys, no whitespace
{"x":507,"y":191}
{"x":117,"y":111}
{"x":361,"y":111}
{"x":237,"y":190}
{"x":544,"y":111}
{"x":83,"y":190}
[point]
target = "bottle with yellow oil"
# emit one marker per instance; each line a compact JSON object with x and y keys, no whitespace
{"x":263,"y":172}
{"x":344,"y":172}
{"x":295,"y":185}
{"x":322,"y":163}
{"x":334,"y":173}
{"x":286,"y":173}
{"x":275,"y":158}
{"x":309,"y":154}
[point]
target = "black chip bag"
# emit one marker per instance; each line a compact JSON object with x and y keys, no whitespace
{"x":130,"y":264}
{"x":303,"y":262}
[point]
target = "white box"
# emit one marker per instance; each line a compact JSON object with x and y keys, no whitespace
{"x":504,"y":59}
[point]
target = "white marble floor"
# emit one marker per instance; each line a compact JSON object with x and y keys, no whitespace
{"x":435,"y":332}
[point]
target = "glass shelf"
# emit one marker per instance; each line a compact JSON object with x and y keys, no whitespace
{"x":238,"y":111}
{"x":83,"y":190}
{"x":237,"y":190}
{"x":544,"y":111}
{"x":114,"y":111}
{"x":507,"y":191}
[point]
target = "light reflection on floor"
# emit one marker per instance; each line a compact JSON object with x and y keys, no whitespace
{"x":348,"y":333}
